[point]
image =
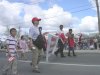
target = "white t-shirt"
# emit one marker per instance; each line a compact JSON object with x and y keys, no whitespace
{"x":59,"y":32}
{"x":33,"y":32}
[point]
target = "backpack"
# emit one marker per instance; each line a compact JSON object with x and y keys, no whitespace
{"x":39,"y":42}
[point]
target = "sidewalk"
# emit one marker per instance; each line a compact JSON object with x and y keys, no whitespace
{"x":77,"y":51}
{"x":85,"y":51}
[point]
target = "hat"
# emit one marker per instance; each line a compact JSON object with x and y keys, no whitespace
{"x":36,"y":19}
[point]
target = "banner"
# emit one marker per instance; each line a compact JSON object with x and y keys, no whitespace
{"x":51,"y":45}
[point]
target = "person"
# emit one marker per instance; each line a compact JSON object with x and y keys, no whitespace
{"x":23,"y":47}
{"x":65,"y":45}
{"x":95,"y":43}
{"x":45,"y":42}
{"x":80,"y":41}
{"x":0,"y":43}
{"x":91,"y":43}
{"x":34,"y":33}
{"x":11,"y":44}
{"x":61,"y":42}
{"x":71,"y":42}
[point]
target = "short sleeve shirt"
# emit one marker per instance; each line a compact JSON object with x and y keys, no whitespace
{"x":33,"y":32}
{"x":62,"y":36}
{"x":12,"y":44}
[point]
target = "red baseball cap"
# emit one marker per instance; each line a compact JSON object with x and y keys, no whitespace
{"x":36,"y":19}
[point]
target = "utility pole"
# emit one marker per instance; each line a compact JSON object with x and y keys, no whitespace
{"x":98,"y":15}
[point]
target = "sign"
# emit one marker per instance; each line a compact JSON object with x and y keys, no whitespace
{"x":51,"y":45}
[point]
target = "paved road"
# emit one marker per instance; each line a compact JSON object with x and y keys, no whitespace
{"x":83,"y":64}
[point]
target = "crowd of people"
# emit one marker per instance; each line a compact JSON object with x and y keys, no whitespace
{"x":36,"y":43}
{"x":87,"y":44}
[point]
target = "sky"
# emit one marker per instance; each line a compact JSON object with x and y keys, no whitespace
{"x":80,"y":15}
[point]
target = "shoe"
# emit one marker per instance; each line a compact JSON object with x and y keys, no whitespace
{"x":4,"y":73}
{"x":36,"y":71}
{"x":63,"y":56}
{"x":74,"y":54}
{"x":37,"y":67}
{"x":31,"y":64}
{"x":69,"y":55}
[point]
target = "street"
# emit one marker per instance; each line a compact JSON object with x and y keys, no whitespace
{"x":82,"y":64}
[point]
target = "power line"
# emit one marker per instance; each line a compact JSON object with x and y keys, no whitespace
{"x":34,"y":3}
{"x":82,"y":10}
{"x":53,"y":1}
{"x":85,"y":5}
{"x":73,"y":12}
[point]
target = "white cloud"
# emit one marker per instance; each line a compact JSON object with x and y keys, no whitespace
{"x":89,"y":24}
{"x":20,"y":14}
{"x":2,"y":29}
{"x":36,"y":1}
{"x":32,"y":11}
{"x":56,"y":16}
{"x":10,"y":14}
{"x":51,"y":18}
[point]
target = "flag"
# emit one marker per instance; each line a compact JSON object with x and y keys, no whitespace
{"x":51,"y":45}
{"x":62,"y":37}
{"x":11,"y":59}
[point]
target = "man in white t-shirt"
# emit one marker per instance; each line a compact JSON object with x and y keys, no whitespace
{"x":61,"y":41}
{"x":33,"y":34}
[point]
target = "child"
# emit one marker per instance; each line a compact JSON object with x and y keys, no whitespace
{"x":11,"y":43}
{"x":71,"y":42}
{"x":23,"y":46}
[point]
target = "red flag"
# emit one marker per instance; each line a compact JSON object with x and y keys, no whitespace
{"x":62,"y":37}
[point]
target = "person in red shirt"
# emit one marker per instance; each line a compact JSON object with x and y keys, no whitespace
{"x":71,"y":42}
{"x":80,"y":41}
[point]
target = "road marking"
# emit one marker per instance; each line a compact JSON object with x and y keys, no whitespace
{"x":63,"y":64}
